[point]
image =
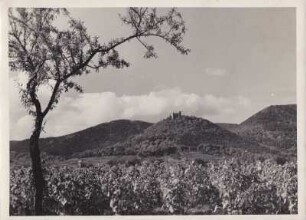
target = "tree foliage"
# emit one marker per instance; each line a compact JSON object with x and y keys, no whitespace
{"x":52,"y":56}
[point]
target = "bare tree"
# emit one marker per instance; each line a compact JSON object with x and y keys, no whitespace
{"x":53,"y":57}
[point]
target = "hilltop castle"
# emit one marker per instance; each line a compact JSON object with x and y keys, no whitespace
{"x":175,"y":115}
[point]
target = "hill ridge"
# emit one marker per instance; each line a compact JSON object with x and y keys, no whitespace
{"x":273,"y":129}
{"x":100,"y":135}
{"x":274,"y":125}
{"x":177,"y":134}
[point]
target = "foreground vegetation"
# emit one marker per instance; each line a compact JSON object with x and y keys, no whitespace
{"x":228,"y":186}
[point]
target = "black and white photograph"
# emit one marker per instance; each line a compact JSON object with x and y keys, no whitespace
{"x":152,"y":111}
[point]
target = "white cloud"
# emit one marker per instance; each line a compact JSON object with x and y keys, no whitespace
{"x":88,"y":109}
{"x":216,"y":72}
{"x":18,"y":129}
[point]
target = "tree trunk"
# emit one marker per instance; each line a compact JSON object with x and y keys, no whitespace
{"x":38,"y":177}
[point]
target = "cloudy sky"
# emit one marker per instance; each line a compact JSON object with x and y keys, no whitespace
{"x":241,"y":61}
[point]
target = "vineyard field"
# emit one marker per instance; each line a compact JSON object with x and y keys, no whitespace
{"x":229,"y":186}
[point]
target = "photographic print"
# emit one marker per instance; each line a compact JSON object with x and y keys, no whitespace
{"x":152,"y":111}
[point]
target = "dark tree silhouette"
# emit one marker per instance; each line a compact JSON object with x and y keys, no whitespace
{"x":52,"y":56}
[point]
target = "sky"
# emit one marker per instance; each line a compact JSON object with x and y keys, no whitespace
{"x":241,"y":61}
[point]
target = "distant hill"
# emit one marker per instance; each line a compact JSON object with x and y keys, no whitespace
{"x":271,"y":131}
{"x":98,"y":136}
{"x":272,"y":126}
{"x":183,"y":134}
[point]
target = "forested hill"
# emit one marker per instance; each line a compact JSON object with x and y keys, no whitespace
{"x":179,"y":133}
{"x":272,"y":126}
{"x":98,"y":136}
{"x":271,"y":130}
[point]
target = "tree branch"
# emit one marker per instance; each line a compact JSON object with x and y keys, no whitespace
{"x":100,"y":50}
{"x":52,"y":98}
